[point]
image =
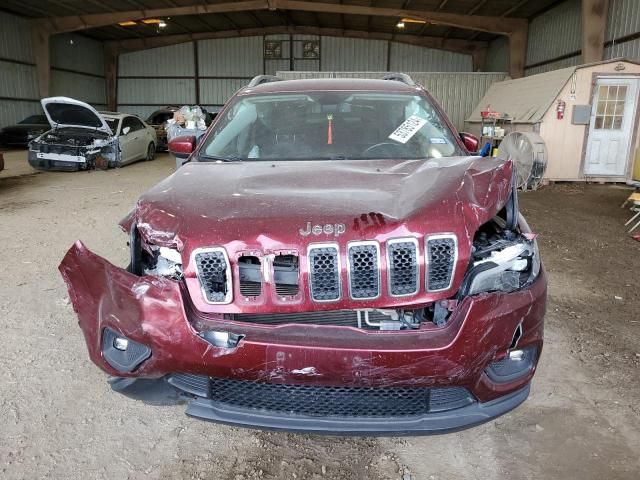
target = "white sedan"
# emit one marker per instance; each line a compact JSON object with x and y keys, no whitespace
{"x":82,"y":138}
{"x":137,"y":139}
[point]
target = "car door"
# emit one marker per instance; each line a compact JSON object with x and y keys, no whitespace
{"x":130,"y":140}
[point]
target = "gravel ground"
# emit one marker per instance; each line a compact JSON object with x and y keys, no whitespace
{"x":60,"y":419}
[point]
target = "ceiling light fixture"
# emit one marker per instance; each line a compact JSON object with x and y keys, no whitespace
{"x":162,"y":24}
{"x":128,"y":23}
{"x":152,"y":21}
{"x":400,"y":24}
{"x":413,"y":20}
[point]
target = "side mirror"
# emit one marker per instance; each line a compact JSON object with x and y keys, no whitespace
{"x":183,"y":146}
{"x":126,"y":130}
{"x":470,"y":141}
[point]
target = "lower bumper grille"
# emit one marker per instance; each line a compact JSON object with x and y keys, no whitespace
{"x":331,"y":401}
{"x":341,"y":318}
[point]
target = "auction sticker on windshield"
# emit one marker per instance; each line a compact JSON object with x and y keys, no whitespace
{"x":408,"y":129}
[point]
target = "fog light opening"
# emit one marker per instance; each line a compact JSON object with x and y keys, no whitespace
{"x":516,"y":355}
{"x":120,"y":343}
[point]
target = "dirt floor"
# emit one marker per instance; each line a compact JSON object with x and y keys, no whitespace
{"x":60,"y":419}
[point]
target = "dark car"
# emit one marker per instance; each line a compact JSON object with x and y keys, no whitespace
{"x":20,"y":134}
{"x":331,"y":259}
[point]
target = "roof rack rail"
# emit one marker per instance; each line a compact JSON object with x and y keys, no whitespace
{"x":260,"y":79}
{"x":400,"y":77}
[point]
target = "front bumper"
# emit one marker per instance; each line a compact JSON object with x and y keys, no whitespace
{"x":156,"y":312}
{"x":56,"y":162}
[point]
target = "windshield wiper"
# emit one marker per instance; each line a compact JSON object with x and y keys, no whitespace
{"x":215,"y":158}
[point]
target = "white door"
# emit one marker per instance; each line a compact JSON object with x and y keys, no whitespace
{"x":611,"y":127}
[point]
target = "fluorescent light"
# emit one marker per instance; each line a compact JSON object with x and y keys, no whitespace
{"x":413,"y":20}
{"x":400,"y":24}
{"x":162,"y":24}
{"x":152,"y":21}
{"x":128,"y":23}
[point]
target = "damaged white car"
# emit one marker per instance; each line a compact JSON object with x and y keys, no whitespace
{"x":81,"y":138}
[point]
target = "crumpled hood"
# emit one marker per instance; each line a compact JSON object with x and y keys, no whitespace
{"x":261,"y":204}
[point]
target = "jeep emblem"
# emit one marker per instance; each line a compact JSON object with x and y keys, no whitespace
{"x":328,"y":229}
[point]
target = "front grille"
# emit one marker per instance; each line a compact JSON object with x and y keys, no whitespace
{"x":214,"y":275}
{"x":342,"y":318}
{"x":194,"y":384}
{"x":364,"y":270}
{"x":250,"y":289}
{"x":441,"y":255}
{"x":403,"y":267}
{"x":324,"y":273}
{"x":337,"y":401}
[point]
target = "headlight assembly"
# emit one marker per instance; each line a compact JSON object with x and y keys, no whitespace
{"x":513,"y":266}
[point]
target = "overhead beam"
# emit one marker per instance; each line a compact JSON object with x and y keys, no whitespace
{"x":594,"y":24}
{"x":498,"y":25}
{"x":451,"y":44}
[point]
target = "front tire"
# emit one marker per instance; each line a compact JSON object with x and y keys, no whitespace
{"x":151,"y":152}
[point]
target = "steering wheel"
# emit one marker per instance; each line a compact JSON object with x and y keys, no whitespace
{"x":384,"y":146}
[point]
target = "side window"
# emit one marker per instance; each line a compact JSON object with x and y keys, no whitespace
{"x":126,"y":122}
{"x":136,"y":124}
{"x":133,"y":123}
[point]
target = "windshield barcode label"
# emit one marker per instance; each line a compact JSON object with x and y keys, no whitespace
{"x":408,"y":129}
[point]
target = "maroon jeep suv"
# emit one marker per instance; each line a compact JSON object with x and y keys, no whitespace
{"x":332,"y":258}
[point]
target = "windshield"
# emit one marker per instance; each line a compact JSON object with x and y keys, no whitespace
{"x":35,"y":120}
{"x":330,"y":126}
{"x":112,"y":123}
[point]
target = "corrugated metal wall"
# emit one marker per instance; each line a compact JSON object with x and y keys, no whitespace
{"x":77,"y":70}
{"x":353,"y":54}
{"x":555,"y":33}
{"x":555,"y":37}
{"x":457,"y":93}
{"x":17,"y":80}
{"x":153,"y":78}
{"x":498,"y":55}
{"x":412,"y":58}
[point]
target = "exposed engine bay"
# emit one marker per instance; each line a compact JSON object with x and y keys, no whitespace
{"x":89,"y":149}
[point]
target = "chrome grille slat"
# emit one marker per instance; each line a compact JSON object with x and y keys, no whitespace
{"x":364,"y":270}
{"x":324,"y":272}
{"x":402,"y":266}
{"x":441,"y":254}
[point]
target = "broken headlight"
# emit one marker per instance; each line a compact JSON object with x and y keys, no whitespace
{"x":506,"y":266}
{"x":163,"y":261}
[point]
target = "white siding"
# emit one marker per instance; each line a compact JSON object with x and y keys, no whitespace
{"x":164,"y":61}
{"x":352,"y":54}
{"x":81,"y":87}
{"x":555,"y":33}
{"x":231,"y":57}
{"x":498,"y":55}
{"x":215,"y":91}
{"x":624,"y":18}
{"x":78,"y":53}
{"x":420,"y":59}
{"x":156,"y":91}
{"x":18,"y":81}
{"x":15,"y":39}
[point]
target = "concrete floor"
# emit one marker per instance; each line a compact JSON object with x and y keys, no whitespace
{"x":60,"y":419}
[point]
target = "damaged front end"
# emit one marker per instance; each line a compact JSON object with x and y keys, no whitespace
{"x":74,"y":149}
{"x":80,"y":138}
{"x":402,"y":326}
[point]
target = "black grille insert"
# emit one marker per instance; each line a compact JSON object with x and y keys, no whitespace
{"x":403,"y":267}
{"x":341,"y":318}
{"x":213,"y":272}
{"x":441,"y":254}
{"x":364,"y":271}
{"x":324,"y":273}
{"x":338,"y":401}
{"x":250,"y":276}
